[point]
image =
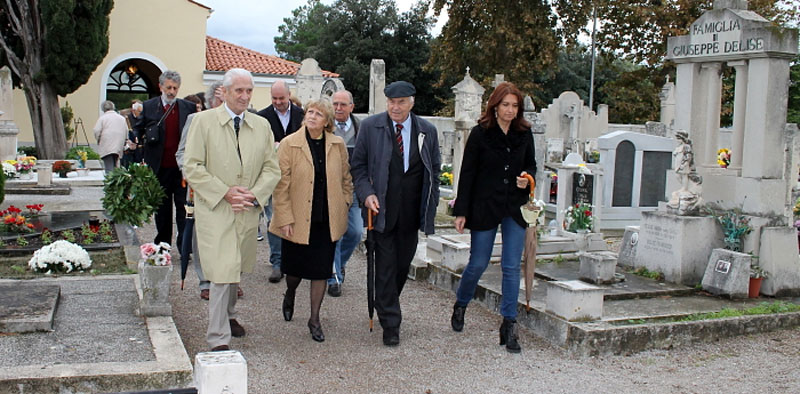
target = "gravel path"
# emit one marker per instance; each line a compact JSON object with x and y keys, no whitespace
{"x":432,"y":358}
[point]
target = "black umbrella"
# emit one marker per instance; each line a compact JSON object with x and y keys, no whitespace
{"x":370,"y":244}
{"x":188,"y":232}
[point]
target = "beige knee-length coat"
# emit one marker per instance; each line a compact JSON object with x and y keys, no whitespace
{"x":291,"y":201}
{"x":227,"y":240}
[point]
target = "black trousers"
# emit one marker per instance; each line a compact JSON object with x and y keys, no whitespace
{"x":394,"y":251}
{"x":170,"y":180}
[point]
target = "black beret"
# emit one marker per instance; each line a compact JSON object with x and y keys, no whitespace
{"x":399,"y":89}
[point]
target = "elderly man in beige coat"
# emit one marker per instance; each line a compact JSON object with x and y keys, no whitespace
{"x":233,"y":169}
{"x":110,"y":131}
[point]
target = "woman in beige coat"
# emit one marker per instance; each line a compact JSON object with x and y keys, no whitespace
{"x":311,"y":203}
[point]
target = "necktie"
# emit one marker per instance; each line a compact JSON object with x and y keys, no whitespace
{"x":236,"y":120}
{"x":342,"y":126}
{"x":398,"y":136}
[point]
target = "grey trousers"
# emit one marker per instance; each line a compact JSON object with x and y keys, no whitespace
{"x":204,"y":284}
{"x":221,"y":308}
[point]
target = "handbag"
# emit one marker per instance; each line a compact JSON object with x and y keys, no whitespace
{"x":152,"y":134}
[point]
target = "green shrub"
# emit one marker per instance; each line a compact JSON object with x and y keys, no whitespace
{"x":28,"y":151}
{"x":66,"y":117}
{"x":72,"y":153}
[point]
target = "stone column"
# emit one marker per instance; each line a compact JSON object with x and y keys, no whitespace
{"x":766,"y":118}
{"x":739,"y":114}
{"x":309,"y":81}
{"x":8,"y":129}
{"x":690,"y":108}
{"x":713,"y":82}
{"x":468,"y":95}
{"x":667,"y":97}
{"x":377,"y":81}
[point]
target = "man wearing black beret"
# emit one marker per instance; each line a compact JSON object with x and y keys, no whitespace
{"x":395,"y":168}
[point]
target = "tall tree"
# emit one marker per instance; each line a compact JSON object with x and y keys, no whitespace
{"x":513,"y":37}
{"x":345,"y":36}
{"x":52,"y":47}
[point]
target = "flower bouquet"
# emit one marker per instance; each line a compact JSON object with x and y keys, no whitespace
{"x":9,"y":169}
{"x":14,"y":222}
{"x":724,"y":157}
{"x":153,"y":254}
{"x":450,"y":206}
{"x":578,"y":217}
{"x":60,"y":256}
{"x":62,"y":167}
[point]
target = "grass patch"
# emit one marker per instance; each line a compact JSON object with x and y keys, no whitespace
{"x":644,"y":272}
{"x":764,"y":308}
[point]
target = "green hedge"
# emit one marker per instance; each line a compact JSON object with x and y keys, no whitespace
{"x":72,"y":154}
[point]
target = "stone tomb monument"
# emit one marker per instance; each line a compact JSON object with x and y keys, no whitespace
{"x":634,"y":167}
{"x":762,"y":171}
{"x":8,"y":129}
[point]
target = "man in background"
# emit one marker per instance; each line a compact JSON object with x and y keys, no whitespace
{"x":284,"y":118}
{"x":110,"y":131}
{"x":346,"y":127}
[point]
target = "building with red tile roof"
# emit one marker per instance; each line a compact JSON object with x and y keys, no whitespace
{"x":223,"y":56}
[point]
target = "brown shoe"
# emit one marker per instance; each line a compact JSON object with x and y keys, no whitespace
{"x":204,"y":294}
{"x":220,"y":348}
{"x":239,"y":293}
{"x":236,"y":329}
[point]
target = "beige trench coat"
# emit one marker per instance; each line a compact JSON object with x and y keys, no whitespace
{"x":227,"y":240}
{"x":292,"y":198}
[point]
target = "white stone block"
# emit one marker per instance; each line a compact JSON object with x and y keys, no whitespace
{"x":574,"y":300}
{"x":455,"y":256}
{"x":727,"y":273}
{"x":778,"y":256}
{"x":598,"y":267}
{"x":677,"y":246}
{"x":220,"y":372}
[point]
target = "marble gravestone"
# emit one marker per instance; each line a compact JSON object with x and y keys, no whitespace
{"x":727,"y":273}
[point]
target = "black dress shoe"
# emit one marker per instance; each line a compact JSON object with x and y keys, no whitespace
{"x":288,"y":306}
{"x":335,"y":290}
{"x":237,"y":331}
{"x":457,"y":321}
{"x":391,"y":336}
{"x":316,"y":332}
{"x":220,"y":348}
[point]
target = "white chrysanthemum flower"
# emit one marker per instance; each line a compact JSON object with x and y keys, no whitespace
{"x":60,"y":256}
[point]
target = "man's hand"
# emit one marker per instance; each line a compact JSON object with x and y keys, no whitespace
{"x":288,"y":231}
{"x":240,"y":198}
{"x":372,"y":203}
{"x":459,"y":223}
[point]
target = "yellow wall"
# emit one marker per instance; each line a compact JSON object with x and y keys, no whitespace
{"x":168,"y":33}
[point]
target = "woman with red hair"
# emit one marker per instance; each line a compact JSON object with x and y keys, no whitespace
{"x":491,"y":189}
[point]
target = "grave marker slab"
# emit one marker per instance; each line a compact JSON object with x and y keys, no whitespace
{"x":727,"y":273}
{"x":28,"y":307}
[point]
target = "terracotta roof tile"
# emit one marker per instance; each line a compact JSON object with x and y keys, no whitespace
{"x":222,"y":56}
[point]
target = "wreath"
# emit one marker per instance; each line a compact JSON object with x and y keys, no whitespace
{"x":132,"y":195}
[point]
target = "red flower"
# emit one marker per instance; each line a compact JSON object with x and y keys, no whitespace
{"x":587,"y":212}
{"x":30,"y":225}
{"x":9,"y":219}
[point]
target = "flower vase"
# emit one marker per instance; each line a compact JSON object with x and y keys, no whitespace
{"x":25,"y":176}
{"x":155,"y":283}
{"x":81,"y":163}
{"x":755,"y":287}
{"x":581,"y":241}
{"x":62,"y":174}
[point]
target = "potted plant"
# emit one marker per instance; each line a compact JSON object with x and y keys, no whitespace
{"x":62,"y":167}
{"x":757,"y":274}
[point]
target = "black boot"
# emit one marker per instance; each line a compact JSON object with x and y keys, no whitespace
{"x":509,"y":336}
{"x":288,"y":305}
{"x":457,"y":321}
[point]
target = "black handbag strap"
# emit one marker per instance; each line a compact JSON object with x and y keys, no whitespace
{"x":167,"y":113}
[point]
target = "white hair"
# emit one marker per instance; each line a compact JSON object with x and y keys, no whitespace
{"x":108,"y":106}
{"x":137,"y":106}
{"x":171,"y":75}
{"x":227,"y":80}
{"x":209,"y":96}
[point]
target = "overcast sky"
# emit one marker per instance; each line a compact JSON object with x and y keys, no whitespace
{"x":254,"y":24}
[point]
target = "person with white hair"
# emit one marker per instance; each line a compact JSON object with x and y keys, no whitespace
{"x":232,"y":167}
{"x":110,"y":131}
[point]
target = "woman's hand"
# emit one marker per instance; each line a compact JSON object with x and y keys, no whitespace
{"x":522,"y":182}
{"x":287,"y":231}
{"x":459,"y":223}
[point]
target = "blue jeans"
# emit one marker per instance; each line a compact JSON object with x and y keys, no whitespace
{"x":480,"y":252}
{"x":348,"y":243}
{"x":273,"y":240}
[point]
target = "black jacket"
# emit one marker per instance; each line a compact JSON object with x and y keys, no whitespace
{"x":295,"y":121}
{"x":152,"y":110}
{"x":487,"y":185}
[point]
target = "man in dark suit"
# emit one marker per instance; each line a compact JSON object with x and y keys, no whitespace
{"x":284,"y":118}
{"x":395,"y":167}
{"x":159,"y":152}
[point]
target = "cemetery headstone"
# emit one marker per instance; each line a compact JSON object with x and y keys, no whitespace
{"x":727,"y":273}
